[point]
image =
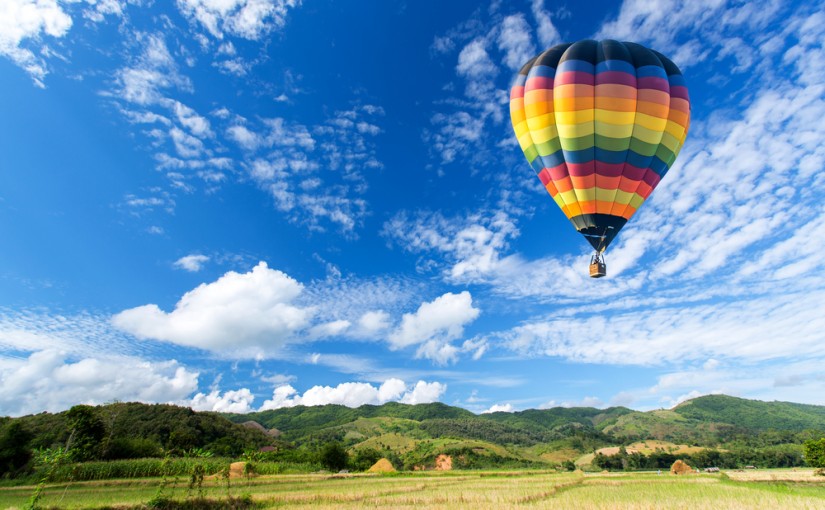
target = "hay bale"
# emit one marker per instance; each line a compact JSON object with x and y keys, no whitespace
{"x":382,"y":466}
{"x":443,"y":463}
{"x":237,"y":470}
{"x":680,"y":468}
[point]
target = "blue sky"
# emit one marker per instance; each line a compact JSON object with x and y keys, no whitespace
{"x":249,"y":204}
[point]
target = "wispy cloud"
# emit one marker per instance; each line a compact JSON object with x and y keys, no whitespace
{"x":192,"y":263}
{"x":249,"y":19}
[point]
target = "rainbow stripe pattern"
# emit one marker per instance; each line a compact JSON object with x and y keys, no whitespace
{"x":601,"y":123}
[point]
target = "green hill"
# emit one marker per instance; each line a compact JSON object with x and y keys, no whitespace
{"x":753,"y":415}
{"x":713,"y":430}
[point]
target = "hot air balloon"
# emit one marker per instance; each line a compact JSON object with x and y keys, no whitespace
{"x":600,"y":122}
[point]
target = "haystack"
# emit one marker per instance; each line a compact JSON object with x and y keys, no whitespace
{"x":382,"y":466}
{"x":236,"y":469}
{"x":680,"y":468}
{"x":443,"y":463}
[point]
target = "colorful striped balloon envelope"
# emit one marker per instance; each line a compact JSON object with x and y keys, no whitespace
{"x":601,"y":123}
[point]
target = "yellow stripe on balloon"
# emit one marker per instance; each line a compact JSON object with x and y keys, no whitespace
{"x":612,"y":117}
{"x":614,"y":130}
{"x":650,"y":122}
{"x":545,"y":134}
{"x":575,"y":130}
{"x":574,"y":117}
{"x":652,"y":136}
{"x":541,"y":121}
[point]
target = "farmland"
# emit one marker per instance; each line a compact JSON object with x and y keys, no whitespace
{"x":798,"y":489}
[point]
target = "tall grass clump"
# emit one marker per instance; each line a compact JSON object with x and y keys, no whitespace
{"x":134,"y":468}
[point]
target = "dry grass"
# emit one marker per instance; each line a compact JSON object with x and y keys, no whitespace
{"x":474,"y":490}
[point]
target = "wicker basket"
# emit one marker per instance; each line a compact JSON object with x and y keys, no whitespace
{"x":598,"y":269}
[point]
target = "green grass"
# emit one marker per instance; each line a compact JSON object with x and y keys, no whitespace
{"x":455,"y":489}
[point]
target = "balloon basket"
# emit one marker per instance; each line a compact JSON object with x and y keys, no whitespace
{"x":597,"y":267}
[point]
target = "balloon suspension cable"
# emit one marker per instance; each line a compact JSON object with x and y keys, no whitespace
{"x":598,"y":268}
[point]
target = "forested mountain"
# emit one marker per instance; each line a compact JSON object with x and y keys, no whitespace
{"x":714,"y":429}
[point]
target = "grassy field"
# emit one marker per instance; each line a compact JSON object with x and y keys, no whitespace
{"x":769,"y":489}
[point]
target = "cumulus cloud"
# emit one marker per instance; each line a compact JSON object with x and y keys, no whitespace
{"x":192,"y":263}
{"x":434,"y":325}
{"x":237,"y":315}
{"x":237,"y":401}
{"x":29,"y":19}
{"x":499,"y":408}
{"x":355,"y":394}
{"x":48,"y":381}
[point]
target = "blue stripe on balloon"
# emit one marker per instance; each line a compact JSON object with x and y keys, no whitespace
{"x":616,"y":65}
{"x":637,"y":160}
{"x":553,"y":160}
{"x":543,"y":71}
{"x":648,"y":71}
{"x":575,"y":65}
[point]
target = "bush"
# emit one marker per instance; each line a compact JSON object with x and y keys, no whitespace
{"x":815,"y":453}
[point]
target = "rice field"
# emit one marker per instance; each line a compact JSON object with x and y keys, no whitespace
{"x":768,"y":489}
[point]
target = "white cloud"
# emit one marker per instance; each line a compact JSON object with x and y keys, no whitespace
{"x":192,"y":263}
{"x":329,"y":329}
{"x":514,"y":40}
{"x":237,"y":401}
{"x":374,"y":321}
{"x":474,"y":62}
{"x":238,"y":315}
{"x":738,"y":329}
{"x":197,"y":125}
{"x":48,"y":381}
{"x":153,"y":71}
{"x":499,"y":408}
{"x":22,"y":20}
{"x":434,"y":325}
{"x":548,"y":34}
{"x":472,"y":245}
{"x":424,"y":393}
{"x":355,"y":394}
{"x":243,"y":137}
{"x":249,"y":19}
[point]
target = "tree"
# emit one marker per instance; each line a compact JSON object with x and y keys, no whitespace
{"x":87,"y":433}
{"x":334,"y":457}
{"x":14,"y":450}
{"x":815,"y":453}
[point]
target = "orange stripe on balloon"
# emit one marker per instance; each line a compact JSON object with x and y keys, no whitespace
{"x":644,"y":189}
{"x":614,"y":104}
{"x":603,"y":207}
{"x":564,"y":184}
{"x":588,"y":181}
{"x":588,"y":207}
{"x":608,"y":183}
{"x":653,"y":109}
{"x":628,"y":185}
{"x":616,"y":90}
{"x":654,"y":96}
{"x":574,"y":209}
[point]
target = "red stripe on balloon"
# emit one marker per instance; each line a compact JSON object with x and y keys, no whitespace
{"x":574,"y":77}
